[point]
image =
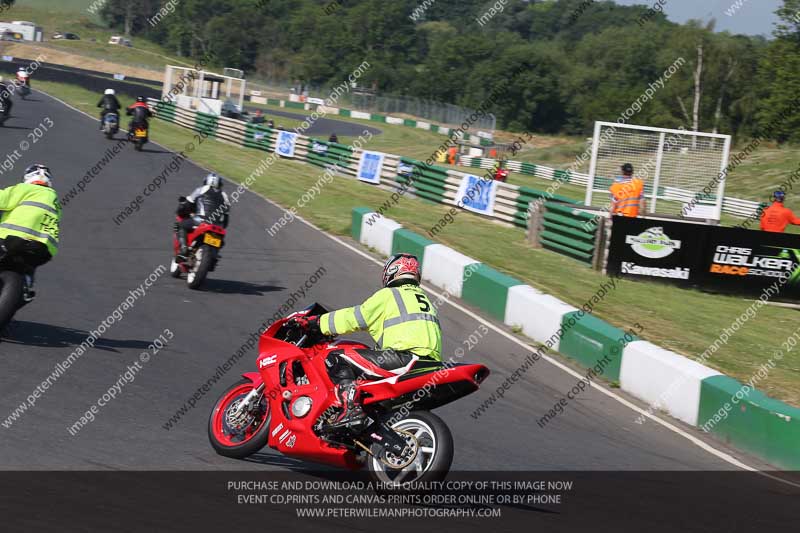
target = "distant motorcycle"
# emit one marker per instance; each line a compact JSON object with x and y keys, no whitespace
{"x":111,"y":124}
{"x":138,"y":136}
{"x":15,"y":291}
{"x":204,"y":245}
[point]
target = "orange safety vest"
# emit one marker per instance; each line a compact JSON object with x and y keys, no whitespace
{"x":627,"y":194}
{"x":452,"y":155}
{"x":776,"y":217}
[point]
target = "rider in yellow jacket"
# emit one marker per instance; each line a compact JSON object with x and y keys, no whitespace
{"x":30,"y":218}
{"x":403,"y":323}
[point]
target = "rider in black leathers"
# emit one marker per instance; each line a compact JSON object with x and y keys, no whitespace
{"x":206,"y":204}
{"x":109,"y":104}
{"x":5,"y":97}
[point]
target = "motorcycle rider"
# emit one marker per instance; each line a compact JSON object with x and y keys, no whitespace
{"x":140,"y":112}
{"x":23,"y":78}
{"x":109,"y":104}
{"x":6,"y":90}
{"x":30,"y":216}
{"x":207,"y":203}
{"x":403,"y":323}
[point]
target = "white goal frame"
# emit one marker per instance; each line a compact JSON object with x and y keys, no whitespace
{"x":676,"y":193}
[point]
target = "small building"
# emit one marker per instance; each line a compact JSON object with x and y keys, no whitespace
{"x":28,"y":30}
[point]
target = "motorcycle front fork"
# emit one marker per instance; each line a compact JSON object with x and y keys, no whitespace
{"x":249,"y":401}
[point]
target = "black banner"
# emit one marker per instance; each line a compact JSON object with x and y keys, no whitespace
{"x":654,"y":249}
{"x":732,"y":260}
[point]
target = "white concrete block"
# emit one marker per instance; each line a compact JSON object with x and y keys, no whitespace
{"x":538,"y":314}
{"x":379,"y":233}
{"x":665,"y":380}
{"x":444,"y":267}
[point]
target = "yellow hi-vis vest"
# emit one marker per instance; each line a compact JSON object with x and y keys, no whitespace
{"x":31,"y":212}
{"x":398,"y":318}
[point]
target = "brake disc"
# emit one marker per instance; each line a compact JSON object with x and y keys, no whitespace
{"x":398,"y":463}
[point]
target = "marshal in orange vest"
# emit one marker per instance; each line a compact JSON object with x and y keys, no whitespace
{"x":627,"y":193}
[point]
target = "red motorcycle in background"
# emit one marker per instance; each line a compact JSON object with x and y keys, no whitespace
{"x":290,"y":402}
{"x":204,"y":245}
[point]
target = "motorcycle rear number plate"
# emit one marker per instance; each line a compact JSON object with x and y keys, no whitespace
{"x":141,"y":133}
{"x":211,"y":240}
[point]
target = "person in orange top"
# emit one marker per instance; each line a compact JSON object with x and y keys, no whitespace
{"x":627,"y":193}
{"x":451,"y":155}
{"x":776,"y":217}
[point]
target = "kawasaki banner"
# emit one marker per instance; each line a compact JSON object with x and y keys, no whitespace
{"x":727,"y":259}
{"x":650,"y":249}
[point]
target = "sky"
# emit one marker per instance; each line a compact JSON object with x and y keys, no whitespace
{"x":751,"y":17}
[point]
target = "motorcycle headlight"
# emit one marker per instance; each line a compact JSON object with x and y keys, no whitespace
{"x":301,"y":406}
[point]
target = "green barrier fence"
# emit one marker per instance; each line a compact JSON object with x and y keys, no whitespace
{"x":409,"y":242}
{"x":487,"y":289}
{"x":568,"y":231}
{"x":756,"y":423}
{"x":206,"y":123}
{"x":589,"y":340}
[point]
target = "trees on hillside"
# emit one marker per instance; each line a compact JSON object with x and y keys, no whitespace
{"x":583,"y":62}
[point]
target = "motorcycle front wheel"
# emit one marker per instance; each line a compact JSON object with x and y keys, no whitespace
{"x":235,"y":434}
{"x":429,"y":438}
{"x":11,"y":286}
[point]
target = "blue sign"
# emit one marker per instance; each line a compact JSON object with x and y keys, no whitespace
{"x":477,"y":195}
{"x":284,"y":145}
{"x":370,"y":167}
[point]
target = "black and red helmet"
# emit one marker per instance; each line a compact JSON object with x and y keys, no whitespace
{"x":401,"y":267}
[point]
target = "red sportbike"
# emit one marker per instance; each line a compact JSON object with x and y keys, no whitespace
{"x":290,"y":402}
{"x":501,"y":174}
{"x":204,"y":245}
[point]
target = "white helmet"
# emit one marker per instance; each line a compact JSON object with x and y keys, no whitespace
{"x":109,"y":92}
{"x":213,"y":181}
{"x":37,"y":175}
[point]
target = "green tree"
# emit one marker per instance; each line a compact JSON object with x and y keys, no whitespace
{"x":779,"y":77}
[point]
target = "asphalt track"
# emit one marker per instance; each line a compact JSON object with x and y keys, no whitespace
{"x":100,"y":262}
{"x":322,"y":126}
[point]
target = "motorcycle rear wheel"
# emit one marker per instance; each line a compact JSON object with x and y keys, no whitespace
{"x":11,"y":286}
{"x":434,"y":454}
{"x":225,"y":438}
{"x":204,"y":258}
